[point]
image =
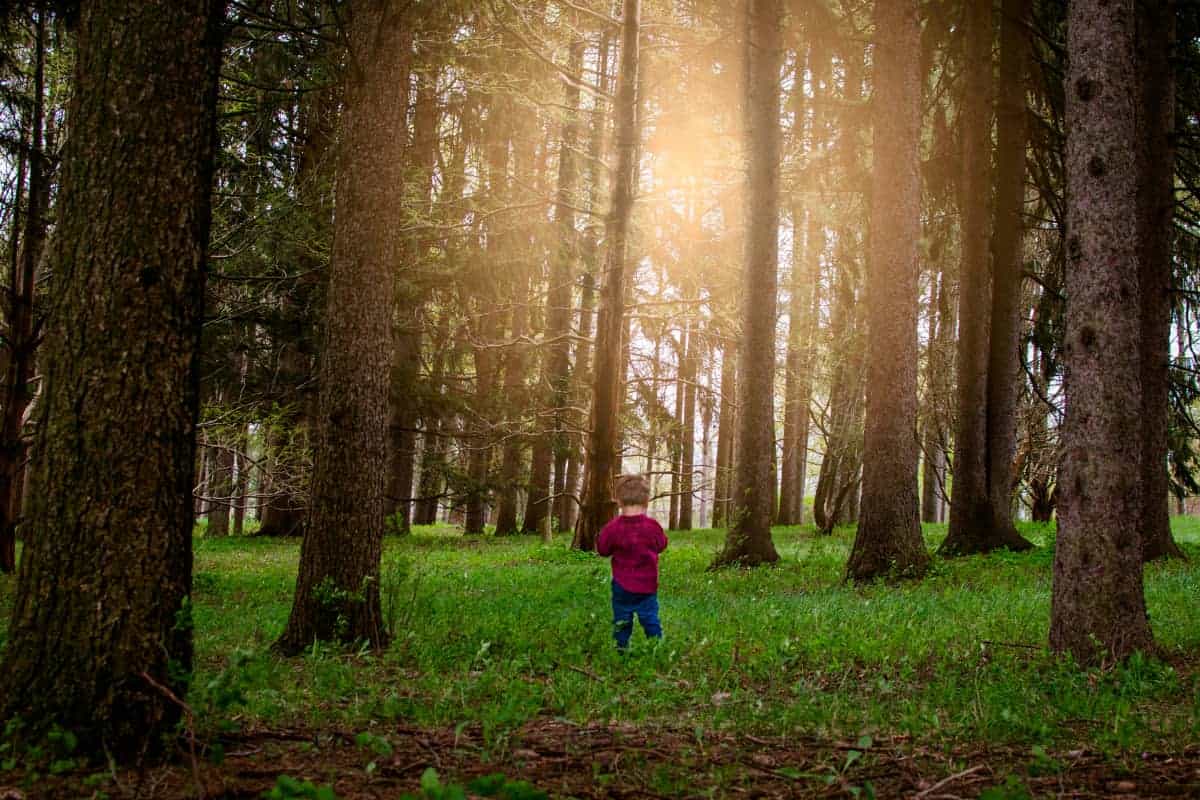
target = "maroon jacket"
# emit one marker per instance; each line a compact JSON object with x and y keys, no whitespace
{"x":634,"y":543}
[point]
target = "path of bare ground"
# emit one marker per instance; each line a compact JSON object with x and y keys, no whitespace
{"x":618,"y":761}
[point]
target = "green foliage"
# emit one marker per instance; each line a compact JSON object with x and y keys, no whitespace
{"x":495,"y":785}
{"x":289,"y":788}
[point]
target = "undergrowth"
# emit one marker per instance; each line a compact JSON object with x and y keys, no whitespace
{"x":498,"y":632}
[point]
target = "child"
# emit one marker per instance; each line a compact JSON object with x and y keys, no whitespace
{"x":634,"y":541}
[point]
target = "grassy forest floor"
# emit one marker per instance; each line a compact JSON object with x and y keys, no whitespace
{"x":774,"y":682}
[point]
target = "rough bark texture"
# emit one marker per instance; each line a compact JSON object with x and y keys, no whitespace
{"x":100,"y":625}
{"x":1156,"y":219}
{"x":981,"y":505}
{"x":889,"y":540}
{"x":607,"y":386}
{"x":1098,"y":610}
{"x":337,"y":590}
{"x":748,"y":541}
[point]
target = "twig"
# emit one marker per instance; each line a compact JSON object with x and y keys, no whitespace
{"x":586,"y":672}
{"x":950,"y":779}
{"x":1011,"y":644}
{"x":191,"y":728}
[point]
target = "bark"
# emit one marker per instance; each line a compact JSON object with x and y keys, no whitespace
{"x":337,"y":590}
{"x":1156,"y":220}
{"x":748,"y":541}
{"x":100,"y":624}
{"x":889,"y":540}
{"x":1098,"y":610}
{"x":21,"y":329}
{"x":220,"y":489}
{"x":607,"y":387}
{"x":981,"y":507}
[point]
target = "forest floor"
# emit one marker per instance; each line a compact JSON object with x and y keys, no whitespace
{"x":780,"y":682}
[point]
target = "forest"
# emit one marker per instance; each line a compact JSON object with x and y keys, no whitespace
{"x":343,"y":341}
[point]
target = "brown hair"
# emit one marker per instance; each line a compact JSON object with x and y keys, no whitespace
{"x":632,"y":490}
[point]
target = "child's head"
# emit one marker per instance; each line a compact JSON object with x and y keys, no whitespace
{"x":632,"y":490}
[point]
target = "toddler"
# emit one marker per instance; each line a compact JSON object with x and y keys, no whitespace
{"x":634,"y":541}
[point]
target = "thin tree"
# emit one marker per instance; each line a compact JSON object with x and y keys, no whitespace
{"x":100,"y":635}
{"x":889,"y":540}
{"x":607,"y":385}
{"x":1156,"y":221}
{"x":1098,"y":609}
{"x":748,"y":540}
{"x":337,"y":589}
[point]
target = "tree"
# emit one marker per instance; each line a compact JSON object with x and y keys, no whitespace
{"x":889,"y":531}
{"x":1098,"y":610}
{"x":337,"y":590}
{"x":748,"y":540}
{"x":1156,"y":222}
{"x":981,"y":505}
{"x":101,"y":633}
{"x":607,"y":384}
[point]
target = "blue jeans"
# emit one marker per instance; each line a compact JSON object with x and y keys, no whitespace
{"x":625,"y":604}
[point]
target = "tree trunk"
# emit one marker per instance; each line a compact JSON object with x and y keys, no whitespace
{"x":20,"y":332}
{"x":726,"y":429}
{"x":402,"y":424}
{"x":220,"y":489}
{"x":1098,"y":610}
{"x":981,"y":505}
{"x":748,"y":541}
{"x":889,"y":540}
{"x":100,"y":626}
{"x":337,"y":590}
{"x":551,"y":445}
{"x":607,"y":387}
{"x":1156,"y":221}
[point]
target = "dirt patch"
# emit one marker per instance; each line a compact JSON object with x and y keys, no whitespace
{"x":625,"y":761}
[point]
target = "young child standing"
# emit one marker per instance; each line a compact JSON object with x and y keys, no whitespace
{"x":634,"y":541}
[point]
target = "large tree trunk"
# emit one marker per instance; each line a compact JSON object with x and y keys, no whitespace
{"x":1156,"y":220}
{"x":981,"y":505}
{"x":1098,"y":610}
{"x":607,"y":386}
{"x":748,"y":541}
{"x":20,"y":331}
{"x":99,"y":631}
{"x":337,"y":590}
{"x":889,"y":540}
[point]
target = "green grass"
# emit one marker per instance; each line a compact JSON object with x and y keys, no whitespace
{"x":499,"y":632}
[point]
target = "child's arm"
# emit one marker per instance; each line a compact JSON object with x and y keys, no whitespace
{"x":661,"y":544}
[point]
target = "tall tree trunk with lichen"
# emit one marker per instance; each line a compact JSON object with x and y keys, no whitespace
{"x":337,"y":590}
{"x":100,"y":634}
{"x":1098,"y":608}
